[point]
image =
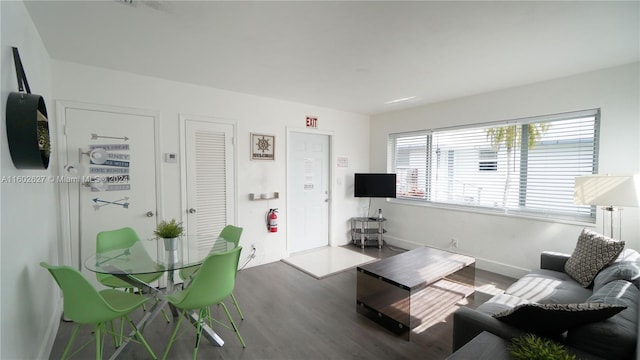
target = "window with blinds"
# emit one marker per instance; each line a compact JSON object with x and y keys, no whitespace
{"x":524,"y":166}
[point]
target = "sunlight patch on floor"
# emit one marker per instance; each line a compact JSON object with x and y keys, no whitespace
{"x":490,"y":289}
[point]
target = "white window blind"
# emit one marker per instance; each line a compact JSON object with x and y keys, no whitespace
{"x":524,"y":166}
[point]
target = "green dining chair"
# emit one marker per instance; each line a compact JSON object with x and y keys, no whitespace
{"x":123,"y":238}
{"x":213,"y":282}
{"x":120,"y":239}
{"x":230,"y":234}
{"x":84,"y":305}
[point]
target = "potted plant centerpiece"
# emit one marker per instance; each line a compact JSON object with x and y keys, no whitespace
{"x":169,"y":231}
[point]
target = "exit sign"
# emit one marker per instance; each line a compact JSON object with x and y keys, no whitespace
{"x":312,"y":122}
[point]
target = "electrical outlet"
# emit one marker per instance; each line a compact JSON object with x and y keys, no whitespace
{"x":253,"y":251}
{"x":454,"y":243}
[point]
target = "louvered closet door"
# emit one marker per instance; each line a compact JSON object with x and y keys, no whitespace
{"x":209,"y":180}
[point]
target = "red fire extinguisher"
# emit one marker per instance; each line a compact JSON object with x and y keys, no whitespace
{"x":272,"y":220}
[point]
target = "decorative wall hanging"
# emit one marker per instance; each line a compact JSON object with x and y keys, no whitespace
{"x":124,"y":202}
{"x":27,"y":124}
{"x":262,"y":147}
{"x":110,"y":163}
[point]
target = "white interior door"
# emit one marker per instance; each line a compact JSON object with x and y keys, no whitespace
{"x":127,"y":178}
{"x":209,"y":178}
{"x":308,"y":191}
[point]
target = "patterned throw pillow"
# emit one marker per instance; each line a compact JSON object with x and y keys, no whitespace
{"x":592,"y":253}
{"x":554,"y":319}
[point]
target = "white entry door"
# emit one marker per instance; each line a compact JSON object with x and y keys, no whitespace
{"x":308,"y":191}
{"x":117,"y":174}
{"x":209,"y":180}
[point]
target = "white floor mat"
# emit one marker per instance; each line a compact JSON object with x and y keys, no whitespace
{"x":327,"y":260}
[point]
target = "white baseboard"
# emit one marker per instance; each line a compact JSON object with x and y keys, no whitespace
{"x":500,"y":268}
{"x":52,"y":331}
{"x":481,"y":263}
{"x":401,"y":243}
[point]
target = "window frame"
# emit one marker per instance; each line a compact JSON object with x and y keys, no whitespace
{"x":576,"y":214}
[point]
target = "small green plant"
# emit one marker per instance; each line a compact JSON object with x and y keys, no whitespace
{"x":169,"y":229}
{"x":532,"y":347}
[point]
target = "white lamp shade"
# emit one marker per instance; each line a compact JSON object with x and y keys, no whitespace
{"x":608,"y":190}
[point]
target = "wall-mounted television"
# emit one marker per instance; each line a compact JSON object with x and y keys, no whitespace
{"x":374,"y":185}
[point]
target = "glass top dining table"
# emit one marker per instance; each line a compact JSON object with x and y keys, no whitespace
{"x":137,"y":259}
{"x":174,"y":254}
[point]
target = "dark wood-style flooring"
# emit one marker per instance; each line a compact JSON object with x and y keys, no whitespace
{"x":291,"y":315}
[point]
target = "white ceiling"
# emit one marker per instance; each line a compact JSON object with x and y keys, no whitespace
{"x":352,"y":56}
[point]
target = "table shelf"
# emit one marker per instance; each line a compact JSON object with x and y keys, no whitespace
{"x":368,"y":231}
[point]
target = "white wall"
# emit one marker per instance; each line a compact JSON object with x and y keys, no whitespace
{"x":253,"y":114}
{"x":507,"y":244}
{"x":30,"y":302}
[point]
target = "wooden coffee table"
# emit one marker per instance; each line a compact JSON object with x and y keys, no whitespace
{"x":406,"y":290}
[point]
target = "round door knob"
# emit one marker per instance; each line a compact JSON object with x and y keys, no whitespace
{"x":149,"y":214}
{"x":192,"y":211}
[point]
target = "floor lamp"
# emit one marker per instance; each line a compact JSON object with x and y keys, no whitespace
{"x":612,"y":192}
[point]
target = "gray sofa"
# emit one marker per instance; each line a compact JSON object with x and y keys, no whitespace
{"x":612,"y":338}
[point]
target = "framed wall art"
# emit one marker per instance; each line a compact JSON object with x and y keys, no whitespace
{"x":262,"y":147}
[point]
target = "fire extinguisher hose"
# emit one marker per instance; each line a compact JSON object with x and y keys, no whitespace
{"x":266,"y":218}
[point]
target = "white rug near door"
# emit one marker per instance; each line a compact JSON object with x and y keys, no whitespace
{"x":327,"y":260}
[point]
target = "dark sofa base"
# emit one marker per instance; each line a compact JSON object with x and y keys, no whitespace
{"x":615,"y":337}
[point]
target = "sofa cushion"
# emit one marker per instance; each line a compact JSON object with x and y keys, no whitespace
{"x":548,"y":286}
{"x":593,"y":252}
{"x":500,"y":303}
{"x":615,"y":337}
{"x":621,"y":270}
{"x":554,"y":319}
